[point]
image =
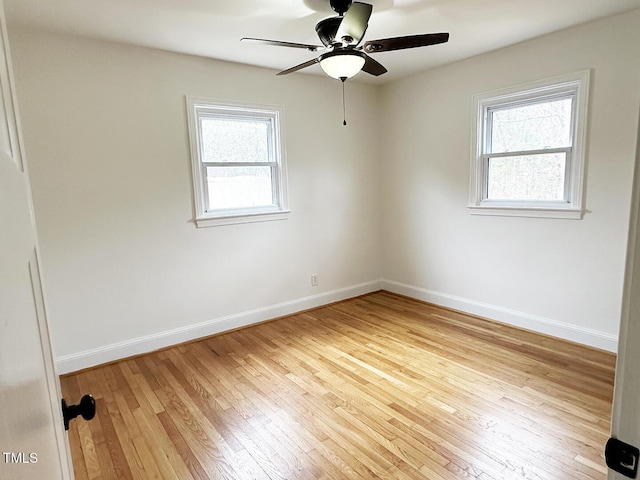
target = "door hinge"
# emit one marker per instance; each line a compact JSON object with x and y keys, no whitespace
{"x":622,"y":457}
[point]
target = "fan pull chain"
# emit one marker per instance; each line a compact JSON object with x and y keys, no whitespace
{"x":344,"y":108}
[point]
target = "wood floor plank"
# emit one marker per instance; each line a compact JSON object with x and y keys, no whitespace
{"x":189,"y":459}
{"x":380,"y":386}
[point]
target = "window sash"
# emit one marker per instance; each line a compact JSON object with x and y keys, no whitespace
{"x":489,"y":110}
{"x":519,"y":153}
{"x":275,"y":186}
{"x":265,"y":117}
{"x":486,"y":159}
{"x":199,"y":109}
{"x":573,"y":86}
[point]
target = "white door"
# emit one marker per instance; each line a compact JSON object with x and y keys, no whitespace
{"x":33,"y":443}
{"x":625,"y":422}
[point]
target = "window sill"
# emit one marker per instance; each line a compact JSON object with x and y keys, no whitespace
{"x":236,"y":218}
{"x":535,"y":212}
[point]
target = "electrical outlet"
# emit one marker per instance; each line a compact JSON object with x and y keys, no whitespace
{"x":314,"y":279}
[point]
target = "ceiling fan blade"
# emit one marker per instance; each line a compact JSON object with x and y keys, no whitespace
{"x":372,"y":67}
{"x":299,"y":67}
{"x":354,"y":23}
{"x":400,"y":43}
{"x":278,"y":43}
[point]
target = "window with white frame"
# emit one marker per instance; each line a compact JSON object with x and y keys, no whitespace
{"x":529,"y":148}
{"x":238,"y":163}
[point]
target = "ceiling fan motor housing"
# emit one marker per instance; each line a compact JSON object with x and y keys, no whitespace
{"x":340,"y":6}
{"x":327,"y":29}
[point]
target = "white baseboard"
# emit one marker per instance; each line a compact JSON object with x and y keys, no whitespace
{"x":116,"y":351}
{"x":585,"y":336}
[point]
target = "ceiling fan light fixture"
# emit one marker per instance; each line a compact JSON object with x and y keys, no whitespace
{"x":342,"y":64}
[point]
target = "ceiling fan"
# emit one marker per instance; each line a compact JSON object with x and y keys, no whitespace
{"x":341,"y":36}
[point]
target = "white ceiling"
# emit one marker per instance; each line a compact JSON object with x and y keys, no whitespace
{"x":213,"y":28}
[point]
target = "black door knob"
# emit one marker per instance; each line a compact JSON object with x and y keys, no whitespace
{"x":86,"y":408}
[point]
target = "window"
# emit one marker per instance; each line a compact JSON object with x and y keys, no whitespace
{"x":528,"y":149}
{"x":237,"y":161}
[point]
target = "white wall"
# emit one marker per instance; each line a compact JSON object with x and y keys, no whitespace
{"x":563,"y":277}
{"x":125,"y":268}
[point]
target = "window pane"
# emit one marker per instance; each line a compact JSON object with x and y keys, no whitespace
{"x":531,"y":127}
{"x":527,"y":177}
{"x":234,"y":140}
{"x":239,"y":187}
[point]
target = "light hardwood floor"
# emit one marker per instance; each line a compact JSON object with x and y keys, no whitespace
{"x":375,"y":387}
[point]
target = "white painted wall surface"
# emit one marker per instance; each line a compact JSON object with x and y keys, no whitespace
{"x":562,"y":277}
{"x":126,"y":270}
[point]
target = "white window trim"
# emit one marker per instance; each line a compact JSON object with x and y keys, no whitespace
{"x":210,"y":218}
{"x":572,"y":207}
